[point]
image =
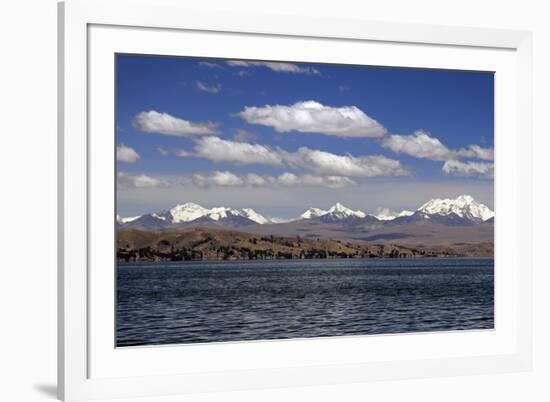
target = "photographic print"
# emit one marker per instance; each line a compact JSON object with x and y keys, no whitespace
{"x":263,"y":200}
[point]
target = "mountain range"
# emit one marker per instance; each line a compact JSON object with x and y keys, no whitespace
{"x":447,"y":220}
{"x":463,"y":208}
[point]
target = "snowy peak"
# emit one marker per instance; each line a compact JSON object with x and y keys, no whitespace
{"x":313,"y":213}
{"x":219,"y":213}
{"x":190,"y":212}
{"x":254,"y":216}
{"x":452,"y":211}
{"x":187,"y":212}
{"x":126,"y":219}
{"x":385,"y":214}
{"x":340,"y":211}
{"x":337,"y":211}
{"x":465,"y":206}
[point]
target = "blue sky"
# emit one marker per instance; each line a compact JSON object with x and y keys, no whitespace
{"x":281,"y":137}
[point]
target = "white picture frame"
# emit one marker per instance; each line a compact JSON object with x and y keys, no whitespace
{"x":89,"y":365}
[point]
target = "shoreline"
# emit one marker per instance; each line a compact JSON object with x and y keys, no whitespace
{"x":431,"y":257}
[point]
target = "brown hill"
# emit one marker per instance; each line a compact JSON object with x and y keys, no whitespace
{"x":197,"y":243}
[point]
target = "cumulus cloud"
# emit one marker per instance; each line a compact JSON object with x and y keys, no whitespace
{"x":244,"y":136}
{"x":242,"y":153}
{"x":224,"y":179}
{"x":326,"y":163}
{"x":385,"y":214}
{"x":421,"y":145}
{"x":477,"y":152}
{"x":257,"y":180}
{"x":163,"y":123}
{"x":213,"y":89}
{"x":126,"y":154}
{"x":275,"y":66}
{"x":457,"y":168}
{"x":318,"y":162}
{"x":308,"y":180}
{"x":228,"y":179}
{"x":313,"y":117}
{"x":128,"y":181}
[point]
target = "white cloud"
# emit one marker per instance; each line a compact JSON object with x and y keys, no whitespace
{"x":162,"y":151}
{"x":275,"y":66}
{"x":241,"y":153}
{"x":313,"y":117}
{"x":318,"y":162}
{"x":326,"y":163}
{"x":385,"y":214}
{"x":421,"y":145}
{"x":256,"y":180}
{"x":208,"y":64}
{"x":126,"y":154}
{"x":182,"y":153}
{"x":228,"y":179}
{"x":128,"y":181}
{"x":244,"y":136}
{"x":225,"y":179}
{"x":457,"y":168}
{"x":475,"y":151}
{"x":213,"y":89}
{"x":163,"y":123}
{"x":308,"y":180}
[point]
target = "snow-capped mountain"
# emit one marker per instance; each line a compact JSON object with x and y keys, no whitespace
{"x":188,"y":212}
{"x":191,"y":212}
{"x":336,"y":212}
{"x":463,"y":206}
{"x":341,"y":212}
{"x":254,"y":216}
{"x":279,"y":220}
{"x":461,"y":211}
{"x":313,"y":213}
{"x":121,"y":219}
{"x":386,"y":215}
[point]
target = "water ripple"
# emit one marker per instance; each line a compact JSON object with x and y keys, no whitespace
{"x":189,"y":302}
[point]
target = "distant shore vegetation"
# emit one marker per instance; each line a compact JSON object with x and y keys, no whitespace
{"x":213,"y":244}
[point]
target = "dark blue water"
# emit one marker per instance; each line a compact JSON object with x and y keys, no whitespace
{"x":187,"y":302}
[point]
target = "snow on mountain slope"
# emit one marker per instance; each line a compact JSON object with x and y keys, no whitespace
{"x":339,"y":211}
{"x":336,"y":212}
{"x":464,"y":206}
{"x":162,"y":218}
{"x":126,"y":219}
{"x":385,"y":214}
{"x":190,"y":211}
{"x":187,"y":212}
{"x":313,"y":213}
{"x":279,"y":220}
{"x":219,"y":213}
{"x":254,"y":216}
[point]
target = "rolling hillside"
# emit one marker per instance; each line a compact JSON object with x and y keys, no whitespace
{"x":197,"y":243}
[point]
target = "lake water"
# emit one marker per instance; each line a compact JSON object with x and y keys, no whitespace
{"x":205,"y":301}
